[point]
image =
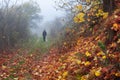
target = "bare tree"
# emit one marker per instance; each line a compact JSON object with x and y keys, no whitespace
{"x":15,"y":22}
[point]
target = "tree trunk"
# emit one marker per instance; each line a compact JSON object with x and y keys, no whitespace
{"x":108,"y":6}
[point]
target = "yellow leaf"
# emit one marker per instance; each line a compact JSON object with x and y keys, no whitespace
{"x":78,"y":61}
{"x":100,"y":11}
{"x":79,"y":18}
{"x":97,"y":73}
{"x":87,"y":63}
{"x":115,"y":27}
{"x":104,"y":57}
{"x":79,"y":7}
{"x":81,"y":15}
{"x":87,"y":1}
{"x":100,"y":53}
{"x":105,"y":15}
{"x":87,"y":54}
{"x":65,"y":74}
{"x":59,"y":77}
{"x":83,"y":78}
{"x":76,"y":20}
{"x":113,"y":45}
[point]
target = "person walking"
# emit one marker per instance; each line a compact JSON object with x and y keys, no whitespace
{"x":44,"y":35}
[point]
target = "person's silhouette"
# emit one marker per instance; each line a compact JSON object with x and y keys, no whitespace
{"x":44,"y":35}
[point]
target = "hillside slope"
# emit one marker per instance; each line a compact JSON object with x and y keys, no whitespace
{"x":94,"y":57}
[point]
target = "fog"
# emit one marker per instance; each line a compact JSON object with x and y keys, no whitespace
{"x":21,"y":20}
{"x":49,"y":14}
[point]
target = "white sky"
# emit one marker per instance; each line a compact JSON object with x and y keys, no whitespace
{"x":48,"y":11}
{"x":47,"y":8}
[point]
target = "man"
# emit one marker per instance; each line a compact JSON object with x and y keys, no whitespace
{"x":44,"y":35}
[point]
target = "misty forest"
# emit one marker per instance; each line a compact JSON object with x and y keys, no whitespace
{"x":59,"y":39}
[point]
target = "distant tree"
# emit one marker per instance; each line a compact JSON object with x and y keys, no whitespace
{"x":16,"y":21}
{"x":56,"y":27}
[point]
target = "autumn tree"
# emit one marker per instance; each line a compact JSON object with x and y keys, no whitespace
{"x":108,"y":5}
{"x":89,"y":13}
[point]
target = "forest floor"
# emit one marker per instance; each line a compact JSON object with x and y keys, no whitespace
{"x":89,"y":59}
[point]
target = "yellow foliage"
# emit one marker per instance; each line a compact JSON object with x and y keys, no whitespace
{"x":79,"y":18}
{"x":65,"y":74}
{"x":87,"y":63}
{"x":104,"y":57}
{"x":87,"y":1}
{"x":97,"y":73}
{"x":78,"y":61}
{"x":105,"y":15}
{"x":83,"y":78}
{"x":80,"y":15}
{"x":59,"y":77}
{"x":76,"y":20}
{"x":111,"y":55}
{"x":88,"y":54}
{"x":115,"y":27}
{"x":101,"y":13}
{"x":92,"y":71}
{"x":79,"y":7}
{"x":100,"y":53}
{"x":95,"y":58}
